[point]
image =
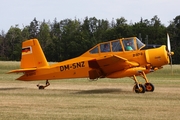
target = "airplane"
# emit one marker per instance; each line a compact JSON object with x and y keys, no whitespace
{"x":125,"y":57}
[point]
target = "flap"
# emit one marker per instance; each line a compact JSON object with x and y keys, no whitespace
{"x":22,"y":70}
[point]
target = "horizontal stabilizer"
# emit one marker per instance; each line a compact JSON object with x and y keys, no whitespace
{"x":22,"y":70}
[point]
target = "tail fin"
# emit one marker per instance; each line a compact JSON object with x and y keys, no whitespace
{"x":32,"y":55}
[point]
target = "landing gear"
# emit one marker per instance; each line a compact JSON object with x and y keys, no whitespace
{"x":42,"y":87}
{"x":149,"y":87}
{"x":140,"y":88}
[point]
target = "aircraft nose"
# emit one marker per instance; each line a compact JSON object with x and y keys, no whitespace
{"x":157,"y":57}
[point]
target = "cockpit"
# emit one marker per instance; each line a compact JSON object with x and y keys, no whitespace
{"x":119,"y":45}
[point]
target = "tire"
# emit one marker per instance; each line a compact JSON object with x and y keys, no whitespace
{"x":149,"y":87}
{"x":141,"y":88}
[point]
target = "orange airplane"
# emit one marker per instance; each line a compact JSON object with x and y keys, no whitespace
{"x":126,"y":57}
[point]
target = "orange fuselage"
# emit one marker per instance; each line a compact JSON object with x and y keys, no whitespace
{"x":79,"y":67}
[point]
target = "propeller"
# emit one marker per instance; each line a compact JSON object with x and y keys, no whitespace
{"x":169,"y":51}
{"x":168,"y":43}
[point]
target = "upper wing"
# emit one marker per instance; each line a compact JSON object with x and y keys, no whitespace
{"x":22,"y":70}
{"x":110,"y":64}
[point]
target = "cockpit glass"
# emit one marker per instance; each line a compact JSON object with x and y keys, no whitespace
{"x":95,"y":50}
{"x":105,"y":47}
{"x":116,"y":46}
{"x":129,"y":44}
{"x":139,"y":44}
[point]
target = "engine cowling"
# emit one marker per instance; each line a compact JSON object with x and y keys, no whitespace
{"x":157,"y":57}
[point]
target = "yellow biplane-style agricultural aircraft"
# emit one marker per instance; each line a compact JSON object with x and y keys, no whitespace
{"x":126,"y":57}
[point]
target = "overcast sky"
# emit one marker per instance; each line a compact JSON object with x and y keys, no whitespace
{"x":22,"y":12}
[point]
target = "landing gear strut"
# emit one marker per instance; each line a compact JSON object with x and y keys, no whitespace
{"x":42,"y":87}
{"x":149,"y":86}
{"x":140,"y":88}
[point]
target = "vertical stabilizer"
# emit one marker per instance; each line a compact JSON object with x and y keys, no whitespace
{"x":32,"y":55}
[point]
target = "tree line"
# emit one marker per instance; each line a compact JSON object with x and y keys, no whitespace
{"x":61,"y":40}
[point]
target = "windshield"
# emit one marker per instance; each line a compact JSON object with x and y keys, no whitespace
{"x":140,"y":45}
{"x":132,"y":44}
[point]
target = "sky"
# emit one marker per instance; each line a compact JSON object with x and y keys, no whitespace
{"x":22,"y":12}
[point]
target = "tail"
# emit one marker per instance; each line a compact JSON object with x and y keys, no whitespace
{"x":32,"y":55}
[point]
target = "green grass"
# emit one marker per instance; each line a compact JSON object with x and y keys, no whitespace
{"x":79,"y":99}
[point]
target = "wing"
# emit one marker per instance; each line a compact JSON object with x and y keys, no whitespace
{"x":110,"y":64}
{"x":22,"y":70}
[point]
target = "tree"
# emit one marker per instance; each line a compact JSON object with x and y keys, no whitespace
{"x":157,"y":31}
{"x":2,"y":46}
{"x":174,"y":31}
{"x":34,"y":28}
{"x":45,"y":39}
{"x":25,"y":33}
{"x":141,"y":28}
{"x":56,"y":46}
{"x":101,"y":30}
{"x":70,"y":38}
{"x":13,"y":44}
{"x":121,"y":28}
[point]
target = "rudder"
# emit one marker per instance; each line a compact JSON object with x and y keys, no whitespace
{"x":32,"y":55}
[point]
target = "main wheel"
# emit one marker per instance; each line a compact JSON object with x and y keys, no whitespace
{"x":149,"y":87}
{"x":141,"y":88}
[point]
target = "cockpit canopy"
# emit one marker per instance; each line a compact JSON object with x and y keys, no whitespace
{"x":119,"y":45}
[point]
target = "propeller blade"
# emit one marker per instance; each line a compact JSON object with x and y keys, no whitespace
{"x":169,"y":51}
{"x":168,"y":43}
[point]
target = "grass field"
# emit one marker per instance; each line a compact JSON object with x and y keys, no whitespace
{"x":79,"y":99}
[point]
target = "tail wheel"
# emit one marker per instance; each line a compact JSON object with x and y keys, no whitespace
{"x":140,"y":89}
{"x":149,"y":87}
{"x":41,"y":87}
